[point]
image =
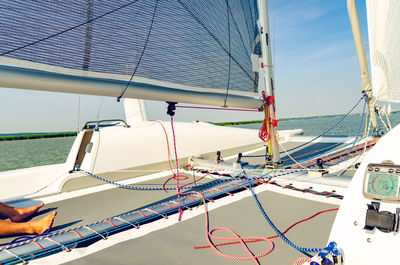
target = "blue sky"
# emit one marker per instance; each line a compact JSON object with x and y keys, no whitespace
{"x":316,"y":73}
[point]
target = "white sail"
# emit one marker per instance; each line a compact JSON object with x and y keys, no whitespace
{"x":180,"y":51}
{"x":384,"y":45}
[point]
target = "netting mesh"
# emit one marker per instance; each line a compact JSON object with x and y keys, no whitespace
{"x":204,"y":44}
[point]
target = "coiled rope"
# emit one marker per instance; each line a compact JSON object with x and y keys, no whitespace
{"x":235,"y":237}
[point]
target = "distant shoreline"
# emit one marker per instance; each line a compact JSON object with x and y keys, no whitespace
{"x":229,"y":123}
{"x":30,"y":136}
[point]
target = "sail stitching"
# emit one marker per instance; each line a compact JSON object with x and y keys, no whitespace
{"x":69,"y":29}
{"x":215,"y":38}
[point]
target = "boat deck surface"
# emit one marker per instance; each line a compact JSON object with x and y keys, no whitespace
{"x":174,"y":244}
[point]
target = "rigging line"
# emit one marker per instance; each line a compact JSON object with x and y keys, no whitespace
{"x":88,"y":35}
{"x":274,"y":33}
{"x":69,"y":29}
{"x":275,"y":236}
{"x":215,"y":38}
{"x":237,"y":29}
{"x":290,"y":157}
{"x":215,"y":108}
{"x":251,"y":256}
{"x":247,"y":24}
{"x":98,"y":112}
{"x":330,"y":128}
{"x":79,"y":112}
{"x":358,"y":134}
{"x":277,"y":231}
{"x":141,"y":55}
{"x":229,"y":57}
{"x":254,"y":22}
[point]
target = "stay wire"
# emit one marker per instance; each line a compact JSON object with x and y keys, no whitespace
{"x":322,"y":134}
{"x":330,"y":128}
{"x":357,"y":136}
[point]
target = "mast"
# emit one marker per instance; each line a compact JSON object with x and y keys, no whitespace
{"x":266,"y":67}
{"x":366,"y":83}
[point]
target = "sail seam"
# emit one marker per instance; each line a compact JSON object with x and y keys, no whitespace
{"x":215,"y":38}
{"x":69,"y":29}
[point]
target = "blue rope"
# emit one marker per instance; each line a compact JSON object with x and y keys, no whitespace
{"x":285,"y":239}
{"x":358,"y":134}
{"x":331,"y":128}
{"x":322,"y":134}
{"x":48,"y":251}
{"x":123,"y":186}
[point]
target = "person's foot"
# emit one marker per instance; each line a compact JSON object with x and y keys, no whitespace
{"x":22,"y":213}
{"x":43,"y":224}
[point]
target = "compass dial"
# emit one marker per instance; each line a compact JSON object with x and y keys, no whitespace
{"x":383,"y":184}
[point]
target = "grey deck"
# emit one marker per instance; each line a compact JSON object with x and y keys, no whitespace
{"x":174,"y":245}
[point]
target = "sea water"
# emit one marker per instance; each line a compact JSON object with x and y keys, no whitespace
{"x":37,"y":152}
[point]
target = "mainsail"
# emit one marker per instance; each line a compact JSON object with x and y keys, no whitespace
{"x":174,"y":50}
{"x":384,"y":46}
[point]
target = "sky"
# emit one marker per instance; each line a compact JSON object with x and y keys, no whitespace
{"x":316,"y":73}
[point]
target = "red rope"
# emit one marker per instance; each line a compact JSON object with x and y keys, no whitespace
{"x":263,"y":133}
{"x":239,"y":239}
{"x":36,"y":243}
{"x":211,"y":108}
{"x":301,"y":261}
{"x":166,"y":138}
{"x":76,"y":232}
{"x":181,"y":177}
{"x":167,"y":205}
{"x":275,"y":236}
{"x":108,"y":221}
{"x":177,"y":169}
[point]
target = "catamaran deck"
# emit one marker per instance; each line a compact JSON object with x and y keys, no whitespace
{"x":166,"y":241}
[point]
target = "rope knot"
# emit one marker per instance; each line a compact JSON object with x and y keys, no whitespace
{"x":268,"y":100}
{"x":330,"y":249}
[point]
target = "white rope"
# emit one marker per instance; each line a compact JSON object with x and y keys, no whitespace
{"x":98,"y":112}
{"x":9,"y":252}
{"x":294,"y":160}
{"x":152,"y":211}
{"x":79,"y":112}
{"x":94,"y":231}
{"x":127,"y":222}
{"x":57,"y":243}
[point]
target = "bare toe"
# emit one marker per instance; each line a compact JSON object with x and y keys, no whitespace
{"x":45,"y":223}
{"x":22,"y":213}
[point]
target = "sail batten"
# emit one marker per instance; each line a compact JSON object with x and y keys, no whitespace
{"x":198,"y":45}
{"x":384,"y":42}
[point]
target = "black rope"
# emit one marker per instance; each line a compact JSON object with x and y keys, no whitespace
{"x":141,"y":55}
{"x":237,"y":30}
{"x":247,"y":24}
{"x":69,"y":29}
{"x":230,"y":55}
{"x":215,"y":38}
{"x":88,"y":37}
